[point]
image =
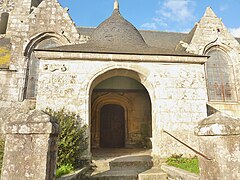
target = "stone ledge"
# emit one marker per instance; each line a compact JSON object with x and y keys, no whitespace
{"x":179,"y":174}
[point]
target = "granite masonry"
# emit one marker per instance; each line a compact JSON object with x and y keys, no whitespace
{"x":147,"y":82}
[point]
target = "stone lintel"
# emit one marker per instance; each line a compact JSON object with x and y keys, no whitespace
{"x":218,"y":124}
{"x":193,"y":59}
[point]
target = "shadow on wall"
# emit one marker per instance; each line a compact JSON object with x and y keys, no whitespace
{"x":2,"y":142}
{"x":3,"y":23}
{"x":211,"y":110}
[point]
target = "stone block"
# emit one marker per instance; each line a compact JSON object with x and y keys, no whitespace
{"x":30,"y":145}
{"x":219,"y":136}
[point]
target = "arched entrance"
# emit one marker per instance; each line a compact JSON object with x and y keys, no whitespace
{"x":120,"y":114}
{"x":112,"y":129}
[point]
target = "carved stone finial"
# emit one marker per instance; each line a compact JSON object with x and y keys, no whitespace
{"x":116,"y":5}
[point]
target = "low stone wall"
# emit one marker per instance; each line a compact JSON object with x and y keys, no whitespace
{"x":178,"y":174}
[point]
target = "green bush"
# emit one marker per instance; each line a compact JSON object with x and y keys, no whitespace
{"x":73,"y":140}
{"x":64,"y":169}
{"x":188,"y":164}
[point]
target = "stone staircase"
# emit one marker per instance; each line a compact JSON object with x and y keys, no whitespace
{"x":128,"y":167}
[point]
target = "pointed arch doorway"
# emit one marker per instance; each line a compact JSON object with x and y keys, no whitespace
{"x":120,"y":114}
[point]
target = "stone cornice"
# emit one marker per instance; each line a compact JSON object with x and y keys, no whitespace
{"x":47,"y":55}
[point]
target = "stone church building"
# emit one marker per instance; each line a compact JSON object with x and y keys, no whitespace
{"x":129,"y":86}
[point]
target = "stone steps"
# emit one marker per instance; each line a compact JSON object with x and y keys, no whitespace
{"x":137,"y":163}
{"x":153,"y":174}
{"x":115,"y":175}
{"x":130,"y":168}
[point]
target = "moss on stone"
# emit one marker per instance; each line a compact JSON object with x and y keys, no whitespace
{"x":4,"y":57}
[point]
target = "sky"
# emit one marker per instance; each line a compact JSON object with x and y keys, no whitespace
{"x":163,"y":15}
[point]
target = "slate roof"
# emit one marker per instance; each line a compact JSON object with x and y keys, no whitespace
{"x":92,"y":48}
{"x":159,"y":39}
{"x":85,"y":30}
{"x":117,"y":35}
{"x":116,"y":32}
{"x":4,"y":53}
{"x":159,"y":43}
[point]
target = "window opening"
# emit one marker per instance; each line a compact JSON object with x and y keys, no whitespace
{"x":220,"y":77}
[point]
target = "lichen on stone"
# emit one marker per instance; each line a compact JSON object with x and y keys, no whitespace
{"x":4,"y":57}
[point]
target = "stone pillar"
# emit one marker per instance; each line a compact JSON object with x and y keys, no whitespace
{"x":30,"y":147}
{"x":219,"y":137}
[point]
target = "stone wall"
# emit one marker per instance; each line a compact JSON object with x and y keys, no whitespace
{"x":12,"y":91}
{"x":177,"y":92}
{"x":29,"y":24}
{"x":9,"y":81}
{"x":25,"y":24}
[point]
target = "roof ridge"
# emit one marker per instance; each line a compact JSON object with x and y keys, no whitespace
{"x":141,"y":30}
{"x":87,"y":27}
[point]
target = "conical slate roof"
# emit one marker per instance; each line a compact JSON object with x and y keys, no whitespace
{"x":117,"y":32}
{"x":117,"y":35}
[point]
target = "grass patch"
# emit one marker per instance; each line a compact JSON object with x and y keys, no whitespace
{"x":188,"y":164}
{"x":64,"y":169}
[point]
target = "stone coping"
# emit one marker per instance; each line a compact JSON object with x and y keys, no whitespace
{"x":177,"y":173}
{"x":21,"y":121}
{"x":218,"y":124}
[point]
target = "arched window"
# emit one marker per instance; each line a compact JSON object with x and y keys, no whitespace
{"x":3,"y":23}
{"x":220,"y":77}
{"x":33,"y":65}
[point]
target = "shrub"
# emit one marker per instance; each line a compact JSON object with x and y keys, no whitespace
{"x":73,"y":140}
{"x":64,"y":169}
{"x":188,"y":164}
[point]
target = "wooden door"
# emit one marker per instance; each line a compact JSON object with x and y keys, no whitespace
{"x":112,"y":129}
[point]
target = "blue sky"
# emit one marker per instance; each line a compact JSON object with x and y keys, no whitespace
{"x":163,"y":15}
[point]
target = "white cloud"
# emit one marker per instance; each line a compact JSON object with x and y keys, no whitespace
{"x":151,"y":25}
{"x":154,"y":24}
{"x":177,"y":10}
{"x":223,"y":8}
{"x":169,"y":12}
{"x":160,"y":22}
{"x":235,"y":31}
